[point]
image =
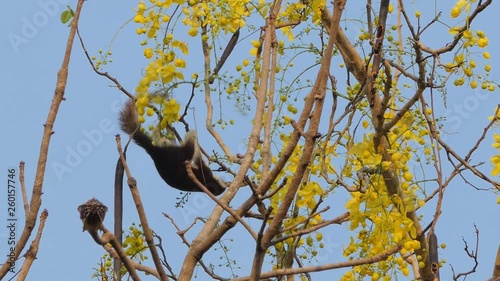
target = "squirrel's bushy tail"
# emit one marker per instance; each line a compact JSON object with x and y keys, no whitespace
{"x":129,"y":124}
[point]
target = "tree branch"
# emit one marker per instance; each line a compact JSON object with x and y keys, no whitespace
{"x":36,"y":197}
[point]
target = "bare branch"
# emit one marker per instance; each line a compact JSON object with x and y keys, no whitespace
{"x":226,"y":208}
{"x":351,"y":263}
{"x":472,"y":254}
{"x":496,"y":267}
{"x":33,"y":250}
{"x":23,"y":189}
{"x":132,"y":183}
{"x":36,"y":197}
{"x":105,"y":74}
{"x":338,"y":220}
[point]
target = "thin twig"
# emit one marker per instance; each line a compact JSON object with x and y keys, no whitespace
{"x":181,"y":234}
{"x":105,"y":74}
{"x":338,"y":220}
{"x":472,"y":254}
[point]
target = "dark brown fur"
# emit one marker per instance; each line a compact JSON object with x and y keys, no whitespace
{"x":169,"y":159}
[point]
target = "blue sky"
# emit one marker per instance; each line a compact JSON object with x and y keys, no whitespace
{"x":86,"y":124}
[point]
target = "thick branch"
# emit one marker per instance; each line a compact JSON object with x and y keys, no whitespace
{"x":209,"y":233}
{"x":316,"y":96}
{"x":33,"y":250}
{"x":148,"y":233}
{"x":192,"y":176}
{"x":496,"y":266}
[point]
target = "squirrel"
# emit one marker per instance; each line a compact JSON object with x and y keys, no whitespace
{"x":169,"y":158}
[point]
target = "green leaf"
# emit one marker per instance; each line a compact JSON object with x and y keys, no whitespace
{"x":67,"y":15}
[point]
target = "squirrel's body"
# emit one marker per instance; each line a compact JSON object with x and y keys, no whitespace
{"x":170,"y":159}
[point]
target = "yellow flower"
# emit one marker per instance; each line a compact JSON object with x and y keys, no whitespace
{"x":407,"y":176}
{"x":319,"y":236}
{"x":148,"y":53}
{"x":495,"y":160}
{"x":396,"y":156}
{"x":181,"y":45}
{"x":193,"y":32}
{"x":467,"y":34}
{"x":455,"y":12}
{"x":255,"y":43}
{"x":138,"y":18}
{"x":459,"y":82}
{"x":468,"y":72}
{"x":486,"y":55}
{"x":482,"y":42}
{"x":460,"y":58}
{"x":454,"y":30}
{"x":143,"y":101}
{"x":180,"y":63}
{"x":365,"y":124}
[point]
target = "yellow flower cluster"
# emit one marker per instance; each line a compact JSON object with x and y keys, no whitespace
{"x":465,"y":63}
{"x":170,"y":112}
{"x":165,"y":64}
{"x":297,"y":12}
{"x":169,"y":109}
{"x":160,"y":70}
{"x":479,"y":38}
{"x":226,"y":15}
{"x":461,"y":6}
{"x":495,"y":160}
{"x":305,"y":203}
{"x":379,"y":217}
